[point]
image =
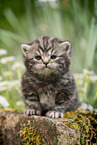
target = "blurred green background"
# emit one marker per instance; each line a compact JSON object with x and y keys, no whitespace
{"x":22,"y":21}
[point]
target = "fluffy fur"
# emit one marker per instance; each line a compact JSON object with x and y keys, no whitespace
{"x":48,"y":86}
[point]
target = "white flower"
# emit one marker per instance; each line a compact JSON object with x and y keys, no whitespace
{"x":7,"y":73}
{"x":3,"y":89}
{"x":8,"y":85}
{"x":17,"y":65}
{"x":93,"y":78}
{"x":5,"y":60}
{"x":87,"y":72}
{"x":2,"y":52}
{"x":3,"y":102}
{"x":18,"y":103}
{"x":78,"y":76}
{"x":0,"y":78}
{"x":86,"y":107}
{"x":14,"y":84}
{"x":4,"y":84}
{"x":95,"y":110}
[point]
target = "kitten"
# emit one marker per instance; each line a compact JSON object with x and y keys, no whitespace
{"x":48,"y":86}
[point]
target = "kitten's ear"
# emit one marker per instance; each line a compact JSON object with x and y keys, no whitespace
{"x":67,"y":47}
{"x":25,"y":48}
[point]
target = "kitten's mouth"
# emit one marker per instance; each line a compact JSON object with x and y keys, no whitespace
{"x":46,"y":67}
{"x":46,"y":71}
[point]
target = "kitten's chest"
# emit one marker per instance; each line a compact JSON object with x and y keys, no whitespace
{"x":50,"y":88}
{"x":46,"y":89}
{"x":47,"y":94}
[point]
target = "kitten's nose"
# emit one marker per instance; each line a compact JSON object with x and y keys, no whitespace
{"x":45,"y":61}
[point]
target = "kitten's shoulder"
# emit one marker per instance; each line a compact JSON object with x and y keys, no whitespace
{"x":68,"y":78}
{"x":27,"y":77}
{"x":68,"y":75}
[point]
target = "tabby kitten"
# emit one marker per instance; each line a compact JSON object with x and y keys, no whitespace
{"x":48,"y":86}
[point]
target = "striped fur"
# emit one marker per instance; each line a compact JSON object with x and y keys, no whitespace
{"x":48,"y":86}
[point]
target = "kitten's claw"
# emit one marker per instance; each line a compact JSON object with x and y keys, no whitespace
{"x":30,"y":112}
{"x":55,"y":114}
{"x":38,"y":112}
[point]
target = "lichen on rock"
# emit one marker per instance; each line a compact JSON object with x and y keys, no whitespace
{"x":29,"y":136}
{"x":85,"y":124}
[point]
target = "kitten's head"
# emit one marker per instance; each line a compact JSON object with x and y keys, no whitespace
{"x":47,"y":55}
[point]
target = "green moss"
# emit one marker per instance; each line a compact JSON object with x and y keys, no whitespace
{"x":29,"y":136}
{"x":85,"y":124}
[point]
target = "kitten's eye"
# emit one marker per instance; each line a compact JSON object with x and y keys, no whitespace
{"x":53,"y":57}
{"x":38,"y":57}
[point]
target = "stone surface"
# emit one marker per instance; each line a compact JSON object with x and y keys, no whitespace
{"x":53,"y":131}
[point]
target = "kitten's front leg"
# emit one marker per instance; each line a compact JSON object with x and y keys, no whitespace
{"x":31,"y":112}
{"x":32,"y":107}
{"x":55,"y":114}
{"x":58,"y":112}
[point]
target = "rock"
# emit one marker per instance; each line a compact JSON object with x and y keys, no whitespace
{"x":46,"y":131}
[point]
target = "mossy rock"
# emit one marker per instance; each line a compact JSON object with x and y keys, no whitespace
{"x":77,"y":127}
{"x":46,"y":131}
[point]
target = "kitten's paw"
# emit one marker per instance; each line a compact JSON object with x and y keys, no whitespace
{"x":30,"y":112}
{"x":55,"y":114}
